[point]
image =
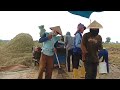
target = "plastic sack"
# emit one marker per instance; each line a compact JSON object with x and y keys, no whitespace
{"x":42,"y":30}
{"x":102,"y":67}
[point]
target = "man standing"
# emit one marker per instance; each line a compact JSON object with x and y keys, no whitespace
{"x":69,"y":48}
{"x":77,"y":53}
{"x":91,"y":44}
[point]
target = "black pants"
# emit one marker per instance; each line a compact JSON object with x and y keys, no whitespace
{"x":76,"y":59}
{"x":91,"y":70}
{"x":70,"y":53}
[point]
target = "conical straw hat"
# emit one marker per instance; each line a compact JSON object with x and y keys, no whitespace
{"x":57,"y":28}
{"x":95,"y":24}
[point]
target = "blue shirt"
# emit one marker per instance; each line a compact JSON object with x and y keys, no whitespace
{"x":48,"y":44}
{"x":78,"y":39}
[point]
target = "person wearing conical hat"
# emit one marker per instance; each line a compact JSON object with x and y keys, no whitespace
{"x":77,"y":53}
{"x":91,"y":44}
{"x":50,"y":42}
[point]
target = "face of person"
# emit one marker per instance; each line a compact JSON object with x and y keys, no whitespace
{"x":94,"y":32}
{"x":82,"y":30}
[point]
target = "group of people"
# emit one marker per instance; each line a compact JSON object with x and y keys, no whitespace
{"x":81,"y":47}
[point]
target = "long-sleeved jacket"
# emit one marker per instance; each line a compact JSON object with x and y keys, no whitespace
{"x":90,"y":46}
{"x":69,"y":41}
{"x":48,"y":44}
{"x":78,"y":40}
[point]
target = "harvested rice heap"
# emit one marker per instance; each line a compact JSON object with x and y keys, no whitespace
{"x":17,"y":51}
{"x":20,"y":44}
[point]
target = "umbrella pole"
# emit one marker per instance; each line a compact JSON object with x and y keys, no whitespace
{"x":90,"y":21}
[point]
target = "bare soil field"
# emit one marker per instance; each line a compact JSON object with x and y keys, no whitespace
{"x":26,"y":71}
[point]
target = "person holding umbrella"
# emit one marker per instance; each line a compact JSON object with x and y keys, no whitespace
{"x":91,"y":44}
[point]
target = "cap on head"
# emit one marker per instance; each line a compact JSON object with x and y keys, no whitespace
{"x":81,"y":26}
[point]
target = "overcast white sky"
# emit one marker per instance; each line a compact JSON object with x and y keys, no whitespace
{"x":15,"y":22}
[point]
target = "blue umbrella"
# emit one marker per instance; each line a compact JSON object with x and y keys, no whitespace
{"x":83,"y":13}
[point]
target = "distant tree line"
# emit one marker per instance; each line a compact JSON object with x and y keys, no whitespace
{"x":108,"y":40}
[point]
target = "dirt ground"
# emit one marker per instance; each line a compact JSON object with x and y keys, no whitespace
{"x":22,"y":72}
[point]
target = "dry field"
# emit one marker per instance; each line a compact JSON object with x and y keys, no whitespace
{"x":16,"y":63}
